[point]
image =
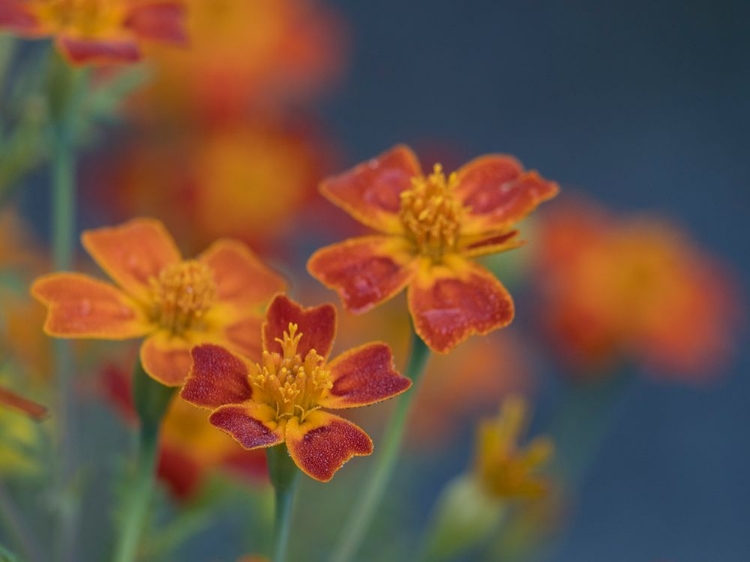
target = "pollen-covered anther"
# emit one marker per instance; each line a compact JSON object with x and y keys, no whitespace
{"x":431,"y":214}
{"x":290,"y":384}
{"x":182,"y":294}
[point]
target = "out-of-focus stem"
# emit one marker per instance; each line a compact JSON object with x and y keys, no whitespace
{"x":285,"y":478}
{"x":16,"y":527}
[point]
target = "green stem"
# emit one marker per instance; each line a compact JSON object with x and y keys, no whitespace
{"x":13,"y":522}
{"x":151,"y":401}
{"x":385,"y":460}
{"x":285,"y":478}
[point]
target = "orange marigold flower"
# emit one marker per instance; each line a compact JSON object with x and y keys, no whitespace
{"x":431,"y":229}
{"x":504,"y":470}
{"x":637,"y":289}
{"x":280,"y":399}
{"x":97,"y":31}
{"x":175,"y":303}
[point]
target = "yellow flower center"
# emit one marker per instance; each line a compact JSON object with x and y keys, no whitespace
{"x":181,"y":294}
{"x":431,"y":214}
{"x":291,"y":384}
{"x":84,"y":17}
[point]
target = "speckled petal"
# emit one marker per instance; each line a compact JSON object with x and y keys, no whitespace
{"x":166,"y":358}
{"x":217,"y":377}
{"x":364,"y":375}
{"x":498,"y":193}
{"x":364,"y":271}
{"x":83,"y":307}
{"x":132,"y":253}
{"x":159,"y":21}
{"x":323,"y":443}
{"x":453,"y":301}
{"x":316,"y":324}
{"x":244,"y":337}
{"x":371,"y":191}
{"x":250,"y":424}
{"x":242,"y":280}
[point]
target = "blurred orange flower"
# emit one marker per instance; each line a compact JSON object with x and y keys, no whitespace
{"x":279,"y":400}
{"x":637,"y":289}
{"x":431,"y":227}
{"x":504,"y":470}
{"x":175,"y":303}
{"x":97,"y":31}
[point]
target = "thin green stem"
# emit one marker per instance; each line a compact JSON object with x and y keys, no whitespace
{"x":14,"y":523}
{"x":285,"y":478}
{"x":385,"y":460}
{"x":151,"y":400}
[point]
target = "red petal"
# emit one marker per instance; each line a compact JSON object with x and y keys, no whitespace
{"x":98,"y":51}
{"x":323,"y":443}
{"x":216,"y":378}
{"x":244,"y":336}
{"x":451,"y":302}
{"x":498,"y":193}
{"x":371,"y":191}
{"x":316,"y":324}
{"x":82,"y":307}
{"x":16,"y":17}
{"x":363,"y":376}
{"x":166,"y":358}
{"x":248,"y":424}
{"x":364,"y":271}
{"x":132,"y":253}
{"x":159,"y":21}
{"x":474,"y":246}
{"x":242,"y":280}
{"x":181,"y":473}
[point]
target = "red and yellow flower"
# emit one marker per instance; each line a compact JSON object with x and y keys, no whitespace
{"x":97,"y":31}
{"x":431,"y":229}
{"x":503,"y":469}
{"x":280,"y":399}
{"x":173,"y":302}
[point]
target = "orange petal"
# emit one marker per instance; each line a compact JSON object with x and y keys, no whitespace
{"x":371,"y":191}
{"x":132,"y":253}
{"x":473,"y":246}
{"x":79,"y":51}
{"x":166,"y":358}
{"x":242,"y":280}
{"x":159,"y":21}
{"x":16,"y":17}
{"x":453,"y":301}
{"x":322,"y":443}
{"x":244,"y":336}
{"x":250,"y":424}
{"x":364,"y":271}
{"x":498,"y":193}
{"x":362,"y":376}
{"x":217,"y":377}
{"x":18,"y":402}
{"x":316,"y":324}
{"x":82,"y":307}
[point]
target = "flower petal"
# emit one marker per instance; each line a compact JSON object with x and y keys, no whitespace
{"x":16,"y":17}
{"x":78,"y":51}
{"x":159,"y":21}
{"x":473,"y":246}
{"x":453,"y":301}
{"x":323,"y":443}
{"x":364,"y":271}
{"x":242,"y":280}
{"x":80,"y":306}
{"x":250,"y":424}
{"x":371,"y":191}
{"x":362,"y":376}
{"x":498,"y":193}
{"x":316,"y":324}
{"x":166,"y":358}
{"x":217,"y":377}
{"x":132,"y":253}
{"x":244,"y":336}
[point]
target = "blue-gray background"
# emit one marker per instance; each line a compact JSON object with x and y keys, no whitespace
{"x":644,"y":105}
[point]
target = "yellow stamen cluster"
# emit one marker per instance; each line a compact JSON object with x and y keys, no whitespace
{"x":289,"y":383}
{"x":182,"y":294}
{"x":85,"y":17}
{"x":431,"y":214}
